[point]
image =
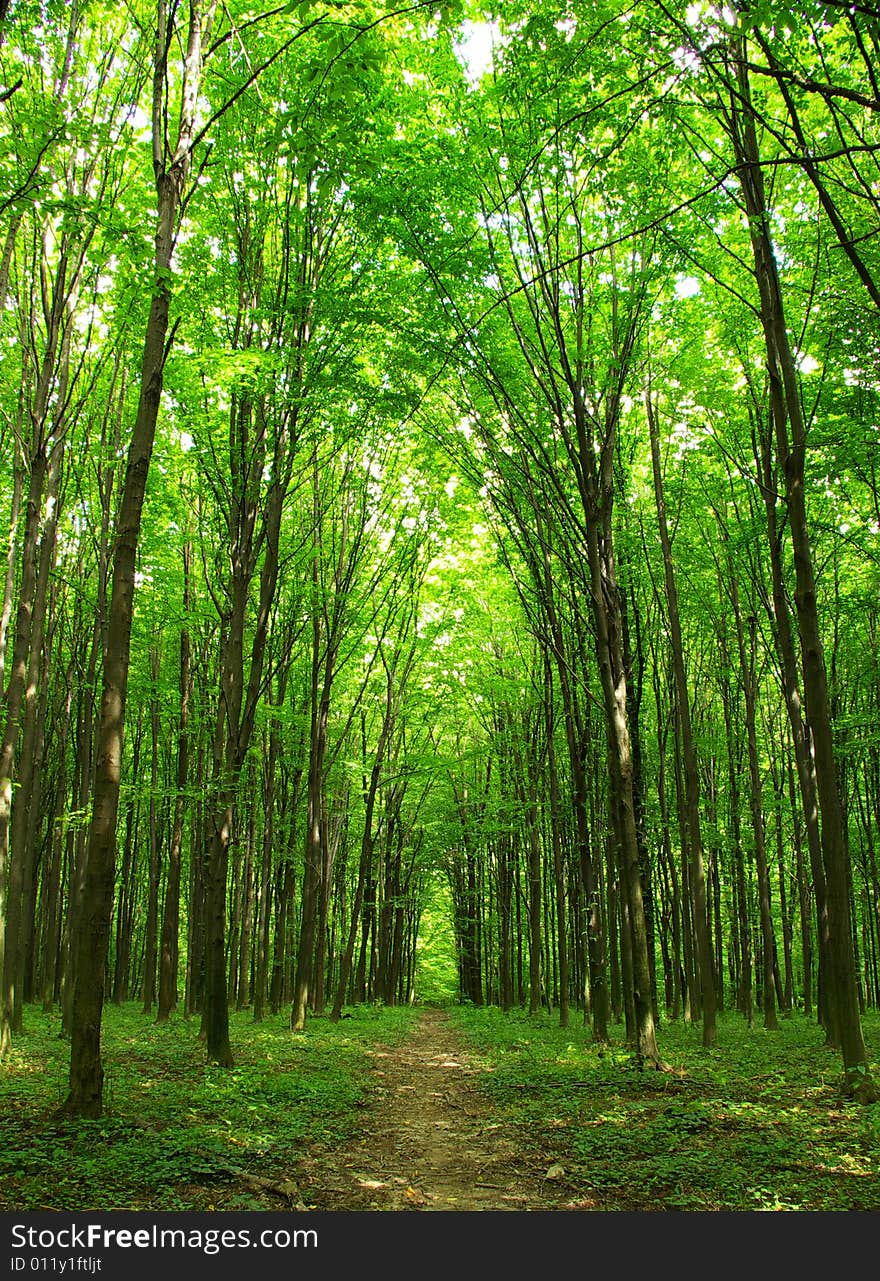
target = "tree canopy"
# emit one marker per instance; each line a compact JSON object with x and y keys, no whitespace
{"x":440,"y":459}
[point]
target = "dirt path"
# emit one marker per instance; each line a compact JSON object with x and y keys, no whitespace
{"x":430,"y":1140}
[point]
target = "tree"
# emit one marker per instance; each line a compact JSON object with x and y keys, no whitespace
{"x":171,"y":165}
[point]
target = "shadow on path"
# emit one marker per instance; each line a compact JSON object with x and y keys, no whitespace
{"x":430,"y":1139}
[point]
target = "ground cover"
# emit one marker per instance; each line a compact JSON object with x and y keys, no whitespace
{"x":755,"y":1123}
{"x":177,"y":1134}
{"x":429,"y":1109}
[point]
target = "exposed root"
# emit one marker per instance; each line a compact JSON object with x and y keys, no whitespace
{"x":859,"y":1087}
{"x":278,"y":1187}
{"x":657,"y":1064}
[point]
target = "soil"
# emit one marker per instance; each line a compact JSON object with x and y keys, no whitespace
{"x":431,"y":1140}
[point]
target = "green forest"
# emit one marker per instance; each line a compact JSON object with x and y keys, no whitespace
{"x":440,"y":635}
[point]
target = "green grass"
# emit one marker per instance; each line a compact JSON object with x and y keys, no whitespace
{"x":172,"y":1125}
{"x":755,"y":1123}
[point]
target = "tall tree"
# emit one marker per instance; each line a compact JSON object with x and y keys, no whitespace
{"x":171,"y":166}
{"x":692,"y":786}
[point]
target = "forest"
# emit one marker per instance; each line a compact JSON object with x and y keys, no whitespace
{"x":440,"y":449}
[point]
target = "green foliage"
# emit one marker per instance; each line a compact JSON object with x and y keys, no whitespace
{"x":756,"y":1125}
{"x":175,"y":1131}
{"x":412,"y":274}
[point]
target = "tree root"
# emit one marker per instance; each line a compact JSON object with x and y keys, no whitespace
{"x":859,"y":1087}
{"x":285,"y":1188}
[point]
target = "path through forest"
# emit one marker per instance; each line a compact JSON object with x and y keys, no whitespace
{"x":431,"y":1139}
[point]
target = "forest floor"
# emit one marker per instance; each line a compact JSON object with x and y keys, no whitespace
{"x":431,"y":1138}
{"x":430,"y":1109}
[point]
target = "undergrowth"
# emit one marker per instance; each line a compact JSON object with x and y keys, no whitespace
{"x":755,"y":1123}
{"x":174,"y":1130}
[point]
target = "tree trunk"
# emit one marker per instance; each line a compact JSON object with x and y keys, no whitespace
{"x":526,"y":789}
{"x":127,"y":886}
{"x":154,"y":870}
{"x":790,"y":449}
{"x":365,"y":862}
{"x":576,"y":741}
{"x":215,"y":1011}
{"x":312,"y":868}
{"x":243,"y":984}
{"x":606,"y":616}
{"x":690,"y":962}
{"x":93,"y":928}
{"x":9,"y":581}
{"x":749,"y":682}
{"x":169,"y":950}
{"x":803,"y":898}
{"x":264,"y":910}
{"x":558,"y":856}
{"x":50,"y":886}
{"x":194,"y":996}
{"x":745,"y":999}
{"x":791,"y":687}
{"x":691,"y":775}
{"x":19,"y":915}
{"x":15,"y":696}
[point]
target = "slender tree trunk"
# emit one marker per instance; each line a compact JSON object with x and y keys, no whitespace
{"x":365,"y":862}
{"x":93,"y":928}
{"x":264,"y":912}
{"x":745,"y":998}
{"x":284,"y":886}
{"x":803,"y":898}
{"x":790,"y":449}
{"x":50,"y":887}
{"x":634,"y":666}
{"x":124,"y":911}
{"x":690,"y":962}
{"x":526,"y":789}
{"x":169,"y":949}
{"x":606,"y":617}
{"x":749,"y":681}
{"x":19,"y":915}
{"x":806,"y":769}
{"x":194,"y":997}
{"x":9,"y":581}
{"x":691,"y":775}
{"x":154,"y":869}
{"x":558,"y":855}
{"x":667,"y":858}
{"x":243,"y":984}
{"x":329,"y":847}
{"x":234,"y":894}
{"x":215,"y":1011}
{"x":15,"y":696}
{"x":313,"y":853}
{"x":576,"y":741}
{"x":785,"y":915}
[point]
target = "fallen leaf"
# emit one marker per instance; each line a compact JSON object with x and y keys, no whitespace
{"x":555,"y":1172}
